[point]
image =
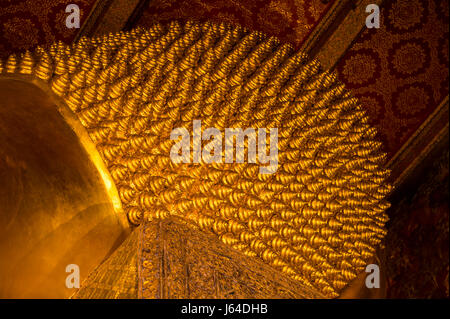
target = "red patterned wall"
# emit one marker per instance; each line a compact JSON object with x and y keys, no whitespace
{"x":25,"y":24}
{"x":400,"y":71}
{"x":417,"y":244}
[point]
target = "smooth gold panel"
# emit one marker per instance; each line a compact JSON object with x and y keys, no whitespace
{"x":56,"y":206}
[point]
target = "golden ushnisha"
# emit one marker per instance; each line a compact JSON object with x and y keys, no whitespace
{"x":318,"y":219}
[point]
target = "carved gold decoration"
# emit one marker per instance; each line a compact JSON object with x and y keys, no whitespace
{"x":318,"y":219}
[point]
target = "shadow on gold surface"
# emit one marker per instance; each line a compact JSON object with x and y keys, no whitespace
{"x":58,"y":204}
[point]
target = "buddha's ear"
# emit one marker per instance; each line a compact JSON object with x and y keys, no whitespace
{"x":57,"y":203}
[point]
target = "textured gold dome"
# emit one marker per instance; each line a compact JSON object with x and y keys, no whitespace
{"x":318,"y":219}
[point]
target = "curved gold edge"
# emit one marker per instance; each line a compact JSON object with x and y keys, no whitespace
{"x":80,"y":131}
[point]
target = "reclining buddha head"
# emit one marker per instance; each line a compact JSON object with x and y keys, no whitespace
{"x":86,"y":143}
